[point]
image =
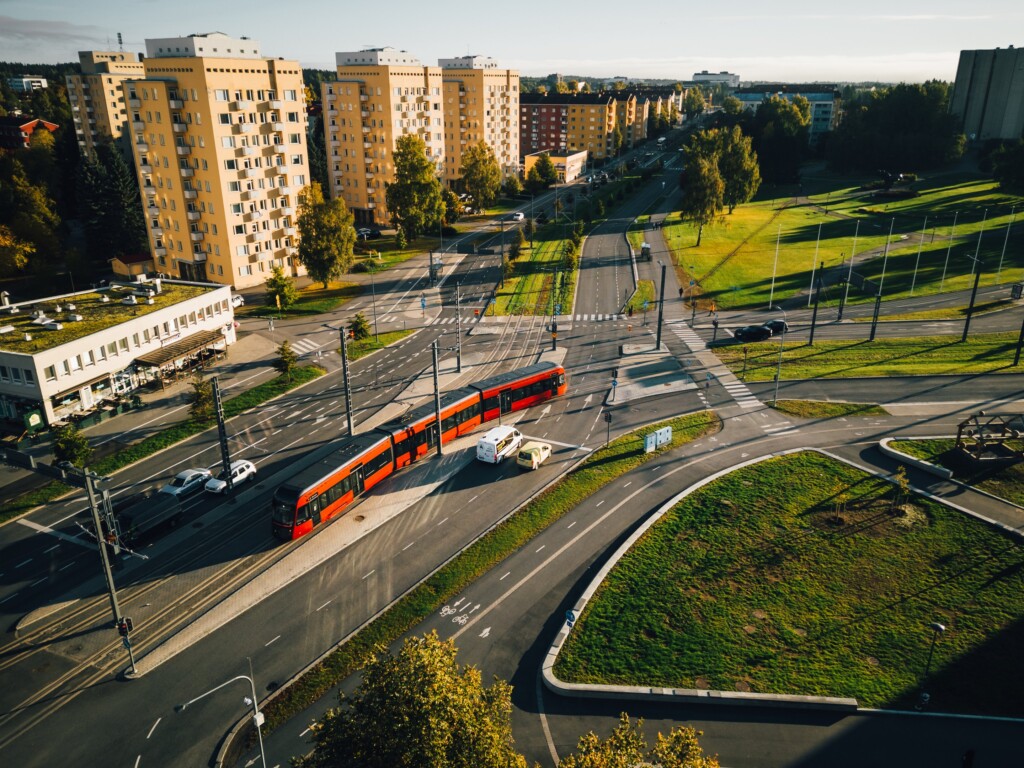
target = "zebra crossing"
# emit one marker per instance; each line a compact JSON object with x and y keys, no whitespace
{"x":305,"y":347}
{"x":537,"y":319}
{"x":744,"y":397}
{"x":687,"y":335}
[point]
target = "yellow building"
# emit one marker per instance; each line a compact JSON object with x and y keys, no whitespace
{"x":568,"y":122}
{"x":218,"y":134}
{"x":481,"y":103}
{"x":569,"y":166}
{"x":381,"y":94}
{"x":97,"y":102}
{"x":591,"y":125}
{"x":625,"y":118}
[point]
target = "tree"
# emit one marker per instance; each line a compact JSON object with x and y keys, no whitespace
{"x":200,"y":405}
{"x":452,"y":206}
{"x":69,"y":444}
{"x":419,"y":707}
{"x":703,"y":192}
{"x":360,"y":327}
{"x":626,"y":747}
{"x":28,"y":211}
{"x":780,"y":131}
{"x":546,"y":169}
{"x":534,"y":183}
{"x":414,"y":198}
{"x":481,"y":174}
{"x":693,"y":103}
{"x":1007,"y":166}
{"x":14,"y":252}
{"x":515,"y":248}
{"x":513,"y":186}
{"x":732,"y":106}
{"x":281,"y":291}
{"x":617,"y":140}
{"x":530,"y":229}
{"x":326,"y":235}
{"x":286,"y":360}
{"x":737,"y":163}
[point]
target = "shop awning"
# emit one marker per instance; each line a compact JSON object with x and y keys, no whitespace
{"x":179,"y":349}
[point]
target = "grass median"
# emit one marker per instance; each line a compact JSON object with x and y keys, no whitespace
{"x":174,"y":433}
{"x":1002,"y":477}
{"x":311,"y":300}
{"x":803,"y":575}
{"x":602,"y":467}
{"x":818,"y":409}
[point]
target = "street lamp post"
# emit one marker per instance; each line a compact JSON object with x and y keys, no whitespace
{"x":501,"y":266}
{"x":257,"y":716}
{"x":778,"y":368}
{"x":937,"y":629}
{"x":373,"y":294}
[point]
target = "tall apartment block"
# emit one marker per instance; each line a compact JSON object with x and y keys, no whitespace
{"x":988,"y":94}
{"x":568,"y":122}
{"x":218,"y":134}
{"x":381,"y":94}
{"x":480,"y":104}
{"x":97,"y":102}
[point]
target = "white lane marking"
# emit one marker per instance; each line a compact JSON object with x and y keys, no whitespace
{"x":276,"y":431}
{"x":486,"y":632}
{"x":55,"y":546}
{"x":301,"y":735}
{"x":474,"y":498}
{"x":555,"y":442}
{"x":443,"y":521}
{"x":324,"y":605}
{"x":10,"y":597}
{"x":272,"y":641}
{"x":600,"y":503}
{"x":570,"y":525}
{"x":369,"y":574}
{"x":408,"y":545}
{"x":628,"y":484}
{"x":66,"y":566}
{"x":35,"y":583}
{"x":138,"y":760}
{"x":148,"y":735}
{"x":24,"y":562}
{"x":506,"y":574}
{"x":541,"y":547}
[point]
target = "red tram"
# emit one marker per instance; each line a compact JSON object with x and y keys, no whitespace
{"x":326,"y":488}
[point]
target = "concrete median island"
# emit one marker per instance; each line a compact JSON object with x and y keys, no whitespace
{"x":803,"y":576}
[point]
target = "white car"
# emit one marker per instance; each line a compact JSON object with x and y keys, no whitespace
{"x":241,"y":471}
{"x":518,"y":216}
{"x":237,"y":300}
{"x":186,"y":481}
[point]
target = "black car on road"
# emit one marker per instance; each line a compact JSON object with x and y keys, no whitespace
{"x":752,"y":333}
{"x":776,"y":327}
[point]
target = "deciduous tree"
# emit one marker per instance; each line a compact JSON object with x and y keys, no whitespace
{"x":626,"y":747}
{"x":703,"y":192}
{"x":481,"y":174}
{"x":69,"y":444}
{"x":414,"y":197}
{"x":737,"y":163}
{"x":286,"y":360}
{"x":326,"y":235}
{"x":200,"y":405}
{"x":14,"y":252}
{"x":419,"y":707}
{"x":693,"y":103}
{"x":546,"y":168}
{"x":281,"y":290}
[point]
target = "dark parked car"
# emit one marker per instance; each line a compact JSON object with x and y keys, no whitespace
{"x":752,"y":333}
{"x":368,"y":233}
{"x":777,"y":326}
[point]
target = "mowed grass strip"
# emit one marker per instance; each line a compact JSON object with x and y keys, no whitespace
{"x":1004,"y":479}
{"x":602,"y":467}
{"x":918,"y":356}
{"x":363,"y":347}
{"x":311,"y":300}
{"x":819,"y":409}
{"x":794,"y":576}
{"x":174,"y":433}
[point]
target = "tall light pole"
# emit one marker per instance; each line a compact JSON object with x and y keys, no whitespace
{"x":502,"y":264}
{"x":778,"y":369}
{"x":344,"y":376}
{"x":257,"y":716}
{"x":937,"y":629}
{"x":849,"y":274}
{"x":373,"y":293}
{"x":661,"y":305}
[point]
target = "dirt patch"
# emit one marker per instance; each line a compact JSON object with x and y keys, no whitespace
{"x":742,"y":686}
{"x":876,"y":519}
{"x":750,"y":629}
{"x":702,"y":684}
{"x":759,"y":614}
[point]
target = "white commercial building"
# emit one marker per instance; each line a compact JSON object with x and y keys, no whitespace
{"x":77,"y":355}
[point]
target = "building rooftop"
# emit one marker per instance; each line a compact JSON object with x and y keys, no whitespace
{"x":788,"y":88}
{"x":564,"y":98}
{"x":97,"y":314}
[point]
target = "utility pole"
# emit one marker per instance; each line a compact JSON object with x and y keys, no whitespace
{"x":373,"y":294}
{"x":849,"y":275}
{"x":502,"y":265}
{"x":661,"y":307}
{"x":1020,"y":343}
{"x":101,"y":542}
{"x":974,"y":295}
{"x":222,"y":434}
{"x":437,"y":398}
{"x":458,"y":330}
{"x":344,"y":376}
{"x":817,"y":298}
{"x":874,"y":318}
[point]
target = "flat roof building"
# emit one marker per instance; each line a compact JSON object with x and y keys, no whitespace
{"x":823,"y":97}
{"x":75,"y":353}
{"x":97,"y":101}
{"x":988,"y":95}
{"x":218,"y":136}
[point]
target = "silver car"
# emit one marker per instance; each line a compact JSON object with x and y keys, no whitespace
{"x":186,"y":482}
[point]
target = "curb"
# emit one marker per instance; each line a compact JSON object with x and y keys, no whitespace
{"x":924,"y":466}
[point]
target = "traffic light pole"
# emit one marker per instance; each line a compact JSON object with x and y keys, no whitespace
{"x":102,"y":546}
{"x":661,"y":307}
{"x":344,"y":376}
{"x":458,"y":330}
{"x":437,"y":397}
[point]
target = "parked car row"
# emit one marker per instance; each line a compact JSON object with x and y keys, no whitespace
{"x":188,"y":481}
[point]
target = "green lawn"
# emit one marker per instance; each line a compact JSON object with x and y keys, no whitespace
{"x":817,"y":409}
{"x":793,"y":576}
{"x":363,"y":347}
{"x":644,"y":292}
{"x":735,"y":262}
{"x":312,"y":300}
{"x":529,"y":290}
{"x":1006,"y":482}
{"x":918,"y":356}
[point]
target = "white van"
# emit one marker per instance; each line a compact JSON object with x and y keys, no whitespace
{"x":498,"y":443}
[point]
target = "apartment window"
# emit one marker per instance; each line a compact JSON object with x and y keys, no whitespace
{"x":294,"y":138}
{"x":221,"y":95}
{"x":291,"y":96}
{"x":4,"y":374}
{"x":122,"y":345}
{"x":29,"y":377}
{"x":245,"y":270}
{"x":234,"y":186}
{"x":296,"y":159}
{"x":293,"y":117}
{"x":239,"y":229}
{"x":112,"y":348}
{"x":90,"y":357}
{"x":66,"y":366}
{"x":16,"y":375}
{"x":228,"y":142}
{"x":50,"y":372}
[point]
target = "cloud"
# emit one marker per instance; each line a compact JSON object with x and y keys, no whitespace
{"x":26,"y":33}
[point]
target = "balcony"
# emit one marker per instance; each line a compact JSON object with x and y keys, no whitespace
{"x":152,"y":211}
{"x":287,"y":210}
{"x":241,"y":106}
{"x":196,"y":237}
{"x":138,"y":125}
{"x":135,"y":103}
{"x":275,"y":170}
{"x":176,"y":103}
{"x":252,"y":173}
{"x":278,"y":126}
{"x":179,"y":127}
{"x":366,"y":129}
{"x":253,"y":215}
{"x":290,"y":231}
{"x":274,"y":104}
{"x":363,"y":97}
{"x":367,"y":159}
{"x":149,"y":190}
{"x":142,"y":148}
{"x":241,"y":127}
{"x":369,"y":174}
{"x":199,"y":257}
{"x":160,"y":251}
{"x":367,"y":145}
{"x":146,"y":168}
{"x":187,"y":173}
{"x":193,"y":215}
{"x":284,"y":189}
{"x":364,"y":113}
{"x":156,"y":231}
{"x":335,"y":143}
{"x":183,"y":149}
{"x":246,"y":151}
{"x":276,"y":149}
{"x":248,"y":194}
{"x":332,"y":113}
{"x":190,"y":194}
{"x":371,"y":206}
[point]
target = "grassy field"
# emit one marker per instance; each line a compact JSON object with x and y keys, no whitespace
{"x":644,"y":292}
{"x":363,"y":347}
{"x":817,"y":409}
{"x":794,"y":576}
{"x":600,"y":468}
{"x":918,"y":356}
{"x":312,"y":300}
{"x":1002,"y":479}
{"x":735,"y":261}
{"x":529,"y":290}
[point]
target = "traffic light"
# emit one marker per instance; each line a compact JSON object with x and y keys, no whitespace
{"x":351,"y":333}
{"x":124,"y":626}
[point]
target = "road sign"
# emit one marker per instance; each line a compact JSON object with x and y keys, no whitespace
{"x":558,"y":309}
{"x":615,"y":382}
{"x":693,"y":282}
{"x":645,"y":305}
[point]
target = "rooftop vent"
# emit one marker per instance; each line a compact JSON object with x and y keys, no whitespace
{"x":75,"y":318}
{"x":41,"y":319}
{"x":53,"y":325}
{"x":129,"y":300}
{"x":28,"y":337}
{"x":6,"y":328}
{"x":104,"y":299}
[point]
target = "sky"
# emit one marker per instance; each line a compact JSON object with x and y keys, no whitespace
{"x":781,"y":40}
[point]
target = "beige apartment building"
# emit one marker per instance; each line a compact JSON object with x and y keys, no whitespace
{"x":381,"y":94}
{"x":97,"y":102}
{"x":572,"y":122}
{"x":481,"y":103}
{"x":218,"y":135}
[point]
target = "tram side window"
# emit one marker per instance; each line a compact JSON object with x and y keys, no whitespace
{"x":490,"y":403}
{"x":448,"y":423}
{"x":379,"y":462}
